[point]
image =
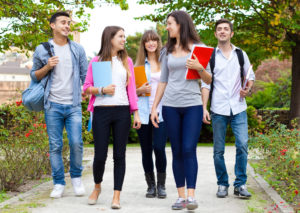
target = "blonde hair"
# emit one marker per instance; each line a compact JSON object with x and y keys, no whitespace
{"x":142,"y":52}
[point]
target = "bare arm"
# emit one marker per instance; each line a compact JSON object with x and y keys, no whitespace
{"x":41,"y":73}
{"x":159,"y":94}
{"x":205,"y":96}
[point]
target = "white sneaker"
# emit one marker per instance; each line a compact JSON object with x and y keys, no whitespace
{"x":57,"y":191}
{"x":78,"y":186}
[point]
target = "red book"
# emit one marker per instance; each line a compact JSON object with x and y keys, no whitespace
{"x":203,"y":54}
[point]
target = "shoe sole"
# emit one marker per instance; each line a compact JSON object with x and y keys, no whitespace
{"x":191,"y":206}
{"x":241,"y":196}
{"x":219,"y":196}
{"x":161,"y":196}
{"x":150,"y":196}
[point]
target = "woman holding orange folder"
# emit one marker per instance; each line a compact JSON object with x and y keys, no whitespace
{"x":182,"y":104}
{"x":111,"y":107}
{"x":151,"y":139}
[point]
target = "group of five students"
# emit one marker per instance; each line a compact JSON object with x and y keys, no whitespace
{"x":175,"y":108}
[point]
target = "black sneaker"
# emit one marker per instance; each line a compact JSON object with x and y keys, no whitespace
{"x":241,"y":191}
{"x":222,"y":191}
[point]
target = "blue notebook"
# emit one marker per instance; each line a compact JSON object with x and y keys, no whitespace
{"x":102,"y":73}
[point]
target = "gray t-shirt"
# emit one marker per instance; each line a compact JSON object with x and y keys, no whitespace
{"x":179,"y":91}
{"x":61,"y":90}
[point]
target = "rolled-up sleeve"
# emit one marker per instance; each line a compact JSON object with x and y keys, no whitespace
{"x":246,"y":67}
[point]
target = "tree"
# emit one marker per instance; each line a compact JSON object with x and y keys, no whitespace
{"x":132,"y":45}
{"x":25,"y":23}
{"x":263,"y":29}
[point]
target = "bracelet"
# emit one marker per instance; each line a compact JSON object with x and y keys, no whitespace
{"x":201,"y":70}
{"x":102,"y":90}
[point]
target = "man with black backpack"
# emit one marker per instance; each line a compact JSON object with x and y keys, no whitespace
{"x":230,"y":68}
{"x":62,"y":64}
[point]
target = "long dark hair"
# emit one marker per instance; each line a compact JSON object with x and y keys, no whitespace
{"x":188,"y":32}
{"x":142,"y":52}
{"x":106,"y":47}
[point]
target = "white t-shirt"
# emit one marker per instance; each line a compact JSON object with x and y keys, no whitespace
{"x":155,"y":78}
{"x":61,"y":90}
{"x":119,"y":77}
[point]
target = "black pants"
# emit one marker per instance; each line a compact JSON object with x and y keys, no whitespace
{"x":152,"y":138}
{"x":105,"y":119}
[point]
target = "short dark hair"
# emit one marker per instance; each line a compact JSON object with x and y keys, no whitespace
{"x":224,"y":20}
{"x":57,"y":14}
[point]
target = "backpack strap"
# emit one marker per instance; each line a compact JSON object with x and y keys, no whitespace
{"x":240,"y":56}
{"x":212,"y":67}
{"x":46,"y":45}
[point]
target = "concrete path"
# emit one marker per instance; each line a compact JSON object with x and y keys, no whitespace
{"x":133,"y":195}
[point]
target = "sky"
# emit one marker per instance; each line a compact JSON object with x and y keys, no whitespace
{"x":113,"y":15}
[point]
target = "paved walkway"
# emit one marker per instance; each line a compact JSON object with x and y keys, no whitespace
{"x":133,"y":198}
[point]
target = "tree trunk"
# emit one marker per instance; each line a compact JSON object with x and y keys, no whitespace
{"x":295,"y":94}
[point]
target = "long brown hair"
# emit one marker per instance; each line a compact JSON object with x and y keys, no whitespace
{"x":106,"y":47}
{"x":142,"y":52}
{"x":188,"y":32}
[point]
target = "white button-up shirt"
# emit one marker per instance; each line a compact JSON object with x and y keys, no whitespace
{"x":227,"y":83}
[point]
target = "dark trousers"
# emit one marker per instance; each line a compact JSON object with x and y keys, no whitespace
{"x":183,"y":128}
{"x":152,"y":138}
{"x":106,"y":119}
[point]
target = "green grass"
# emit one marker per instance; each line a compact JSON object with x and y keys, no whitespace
{"x":3,"y":196}
{"x":22,"y":208}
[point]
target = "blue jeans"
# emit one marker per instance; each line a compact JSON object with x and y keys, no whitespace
{"x":57,"y":117}
{"x":183,"y":128}
{"x":152,"y":138}
{"x":239,"y":126}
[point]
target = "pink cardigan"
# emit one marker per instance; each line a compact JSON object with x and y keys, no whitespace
{"x":131,"y":90}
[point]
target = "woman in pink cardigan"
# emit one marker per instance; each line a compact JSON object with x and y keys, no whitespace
{"x":111,"y":107}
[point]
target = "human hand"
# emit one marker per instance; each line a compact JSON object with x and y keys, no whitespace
{"x":136,"y":121}
{"x":154,"y":118}
{"x":206,"y":116}
{"x":109,"y":90}
{"x":194,"y":63}
{"x":52,"y":62}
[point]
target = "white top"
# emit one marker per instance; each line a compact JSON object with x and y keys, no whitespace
{"x":119,"y":77}
{"x":227,"y":83}
{"x":155,"y":78}
{"x":61,"y":90}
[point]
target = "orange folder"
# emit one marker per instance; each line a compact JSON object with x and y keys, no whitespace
{"x":203,"y":54}
{"x":140,"y":77}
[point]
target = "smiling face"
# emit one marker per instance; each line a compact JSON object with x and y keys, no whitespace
{"x":61,"y":26}
{"x":172,"y":27}
{"x":118,"y":41}
{"x":223,"y":33}
{"x":151,"y":46}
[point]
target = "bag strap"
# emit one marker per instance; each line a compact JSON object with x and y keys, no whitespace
{"x":240,"y":55}
{"x":212,"y":67}
{"x":46,"y":45}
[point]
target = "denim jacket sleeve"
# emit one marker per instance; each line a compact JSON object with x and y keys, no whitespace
{"x":37,"y":62}
{"x":83,"y":64}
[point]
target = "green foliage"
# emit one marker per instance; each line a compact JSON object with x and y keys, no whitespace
{"x":262,"y":28}
{"x":274,"y":94}
{"x":3,"y":196}
{"x":132,"y":45}
{"x":24,"y":149}
{"x":279,"y":153}
{"x":28,"y":20}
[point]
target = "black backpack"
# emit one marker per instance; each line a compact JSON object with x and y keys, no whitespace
{"x":212,"y":61}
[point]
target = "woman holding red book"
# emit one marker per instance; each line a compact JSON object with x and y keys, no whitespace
{"x":182,"y":104}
